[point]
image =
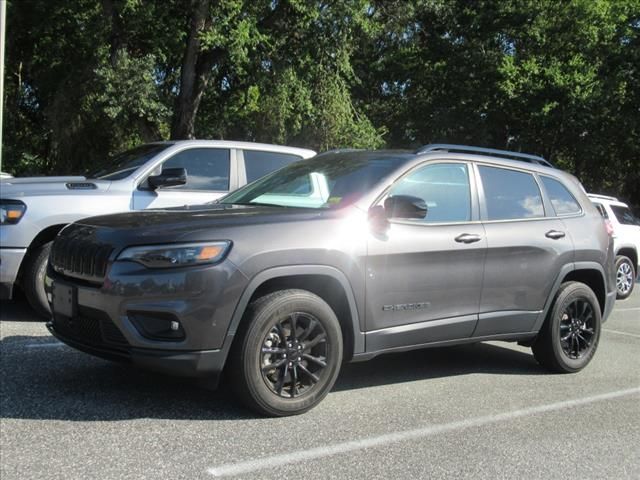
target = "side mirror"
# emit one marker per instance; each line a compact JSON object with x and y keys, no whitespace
{"x":405,"y":206}
{"x":170,"y":177}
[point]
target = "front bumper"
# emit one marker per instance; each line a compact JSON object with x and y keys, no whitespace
{"x":10,"y":261}
{"x":106,"y":322}
{"x":206,"y":364}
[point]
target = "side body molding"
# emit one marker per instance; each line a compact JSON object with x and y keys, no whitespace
{"x":290,"y":270}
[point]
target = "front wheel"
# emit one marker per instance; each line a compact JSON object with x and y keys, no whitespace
{"x":625,"y":277}
{"x":33,"y":279}
{"x":569,"y":337}
{"x":288,"y":355}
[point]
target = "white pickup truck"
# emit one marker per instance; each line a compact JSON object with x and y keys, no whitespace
{"x":156,"y":175}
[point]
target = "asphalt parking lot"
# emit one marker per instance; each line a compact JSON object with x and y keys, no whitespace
{"x":478,"y":411}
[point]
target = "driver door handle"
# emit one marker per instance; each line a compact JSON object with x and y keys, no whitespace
{"x":554,"y":234}
{"x":468,"y":238}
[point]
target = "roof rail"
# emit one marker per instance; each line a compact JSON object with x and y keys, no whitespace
{"x":602,"y":197}
{"x":445,"y":147}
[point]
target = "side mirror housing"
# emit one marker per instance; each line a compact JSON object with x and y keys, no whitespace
{"x":405,"y":206}
{"x":170,"y":177}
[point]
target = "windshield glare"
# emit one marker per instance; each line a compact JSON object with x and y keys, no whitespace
{"x":125,"y":163}
{"x":327,"y":181}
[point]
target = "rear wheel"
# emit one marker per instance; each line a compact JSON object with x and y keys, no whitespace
{"x":625,"y":276}
{"x":569,"y":337}
{"x":33,"y":279}
{"x":289,"y":354}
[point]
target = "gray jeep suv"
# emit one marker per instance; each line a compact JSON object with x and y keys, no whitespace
{"x":342,"y":257}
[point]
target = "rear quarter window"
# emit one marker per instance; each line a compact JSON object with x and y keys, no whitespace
{"x":563,"y":202}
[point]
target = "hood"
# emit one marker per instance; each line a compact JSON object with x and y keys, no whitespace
{"x":35,"y":186}
{"x":192,"y":223}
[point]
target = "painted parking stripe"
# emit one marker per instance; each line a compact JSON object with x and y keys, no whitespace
{"x":622,"y":333}
{"x":45,"y":345}
{"x":275,"y":461}
{"x":630,"y":309}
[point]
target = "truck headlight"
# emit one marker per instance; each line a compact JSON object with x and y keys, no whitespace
{"x":11,"y":211}
{"x":177,"y":255}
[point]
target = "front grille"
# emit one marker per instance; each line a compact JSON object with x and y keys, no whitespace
{"x":90,"y":327}
{"x":76,"y":253}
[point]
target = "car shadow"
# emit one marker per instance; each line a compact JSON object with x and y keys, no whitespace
{"x":44,"y":380}
{"x":18,"y":310}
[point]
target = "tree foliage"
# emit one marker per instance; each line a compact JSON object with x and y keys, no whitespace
{"x":86,"y":78}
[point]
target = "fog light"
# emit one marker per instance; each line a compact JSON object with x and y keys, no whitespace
{"x":157,"y":325}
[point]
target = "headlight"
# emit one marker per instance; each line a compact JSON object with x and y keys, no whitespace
{"x":177,"y":255}
{"x":11,"y":211}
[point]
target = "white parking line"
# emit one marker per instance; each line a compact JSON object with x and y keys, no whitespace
{"x":45,"y":345}
{"x":622,"y":333}
{"x":248,"y":466}
{"x":630,"y":309}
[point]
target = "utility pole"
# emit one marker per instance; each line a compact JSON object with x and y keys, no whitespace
{"x":3,"y":27}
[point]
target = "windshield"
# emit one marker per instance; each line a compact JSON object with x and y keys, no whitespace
{"x":124,"y":164}
{"x":326,"y":181}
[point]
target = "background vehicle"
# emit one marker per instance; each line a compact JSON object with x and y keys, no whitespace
{"x":346,"y":255}
{"x":626,"y":238}
{"x":155,"y":175}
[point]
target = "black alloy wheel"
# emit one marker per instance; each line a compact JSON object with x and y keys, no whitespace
{"x":294,"y":355}
{"x":577,"y":328}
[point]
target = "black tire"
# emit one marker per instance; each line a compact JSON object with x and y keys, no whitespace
{"x":625,"y":277}
{"x":33,"y":279}
{"x":267,"y":326}
{"x":549,"y":348}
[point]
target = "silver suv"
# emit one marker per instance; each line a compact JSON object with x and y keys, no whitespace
{"x":156,"y":175}
{"x":344,"y":256}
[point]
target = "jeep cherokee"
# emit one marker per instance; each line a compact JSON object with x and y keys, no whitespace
{"x":342,"y":257}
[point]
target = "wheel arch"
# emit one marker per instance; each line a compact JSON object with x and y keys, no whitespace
{"x":45,"y":235}
{"x":327,"y":282}
{"x":631,"y":254}
{"x":591,"y":274}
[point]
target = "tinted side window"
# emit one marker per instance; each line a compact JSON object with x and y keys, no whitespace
{"x":258,"y":164}
{"x":207,"y":168}
{"x":510,"y":194}
{"x":563,"y":202}
{"x":445,"y":189}
{"x":624,"y":215}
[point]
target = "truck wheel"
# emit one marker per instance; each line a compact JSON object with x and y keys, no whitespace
{"x":33,"y":279}
{"x":625,"y":277}
{"x":569,"y":337}
{"x":288,"y":356}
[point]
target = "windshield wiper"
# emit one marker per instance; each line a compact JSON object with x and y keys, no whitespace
{"x":260,"y":204}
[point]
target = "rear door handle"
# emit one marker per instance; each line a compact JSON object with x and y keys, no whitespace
{"x":468,"y":238}
{"x":554,"y":234}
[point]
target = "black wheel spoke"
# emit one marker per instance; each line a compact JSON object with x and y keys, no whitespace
{"x":577,"y":328}
{"x":312,"y":376}
{"x":320,"y":338}
{"x":316,"y":360}
{"x":312,"y":324}
{"x":294,"y":324}
{"x":271,"y":366}
{"x":294,"y":381}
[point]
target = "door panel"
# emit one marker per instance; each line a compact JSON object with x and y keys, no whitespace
{"x":419,"y":273}
{"x":427,"y":273}
{"x":522,"y":263}
{"x":211,"y":172}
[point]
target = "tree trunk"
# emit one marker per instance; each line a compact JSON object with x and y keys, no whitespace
{"x":194,"y":75}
